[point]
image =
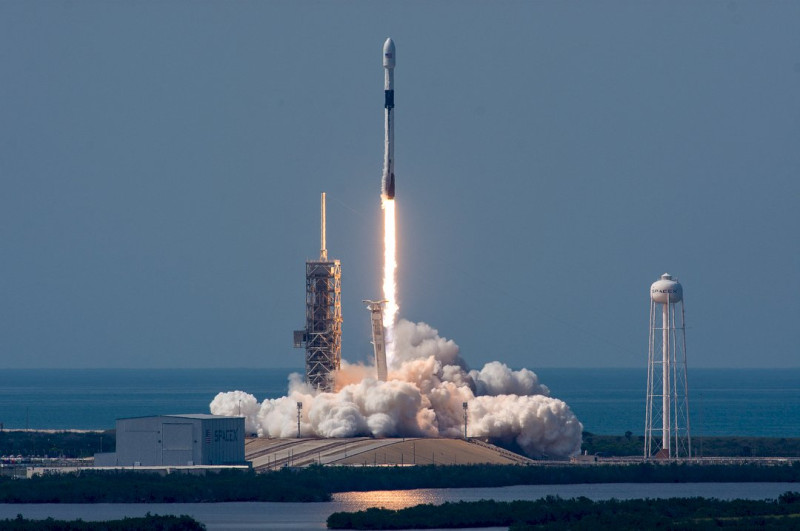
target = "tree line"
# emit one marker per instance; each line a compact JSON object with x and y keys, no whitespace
{"x":151,"y":522}
{"x":146,"y":487}
{"x":86,"y":444}
{"x":317,"y":483}
{"x":717,"y":446}
{"x":67,"y":444}
{"x":554,"y":513}
{"x":342,"y":479}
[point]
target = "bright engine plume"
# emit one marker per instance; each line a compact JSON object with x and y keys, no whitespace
{"x":389,"y":272}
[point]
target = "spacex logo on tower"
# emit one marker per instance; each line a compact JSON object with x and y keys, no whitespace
{"x":655,"y":290}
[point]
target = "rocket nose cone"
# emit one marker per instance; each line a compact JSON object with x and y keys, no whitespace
{"x":388,"y":53}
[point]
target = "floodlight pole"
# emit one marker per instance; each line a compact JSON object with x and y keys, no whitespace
{"x":464,"y":405}
{"x":299,"y":410}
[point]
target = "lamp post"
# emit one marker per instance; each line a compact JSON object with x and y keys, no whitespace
{"x":464,"y":405}
{"x":299,"y":410}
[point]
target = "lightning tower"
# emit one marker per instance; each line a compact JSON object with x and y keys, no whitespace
{"x":666,"y":432}
{"x":322,"y":336}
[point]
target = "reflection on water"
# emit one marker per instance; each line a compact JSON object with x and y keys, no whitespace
{"x":388,"y":499}
{"x":398,"y":499}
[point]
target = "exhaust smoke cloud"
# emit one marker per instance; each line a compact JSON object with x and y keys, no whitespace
{"x":428,"y":382}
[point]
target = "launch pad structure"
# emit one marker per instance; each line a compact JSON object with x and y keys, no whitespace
{"x":378,"y":337}
{"x":322,"y":336}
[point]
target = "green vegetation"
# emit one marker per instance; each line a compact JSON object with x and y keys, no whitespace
{"x":152,"y":522}
{"x":342,"y":479}
{"x":746,"y":447}
{"x":76,"y":445}
{"x":316,"y":483}
{"x":553,"y":513}
{"x":142,"y":487}
{"x":612,"y":445}
{"x":57,"y":444}
{"x":630,"y":445}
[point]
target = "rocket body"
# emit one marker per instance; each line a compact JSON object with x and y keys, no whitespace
{"x":387,"y":181}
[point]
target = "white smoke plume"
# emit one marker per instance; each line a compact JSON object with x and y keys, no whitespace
{"x":428,"y":382}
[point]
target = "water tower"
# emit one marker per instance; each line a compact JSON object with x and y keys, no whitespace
{"x":666,"y":432}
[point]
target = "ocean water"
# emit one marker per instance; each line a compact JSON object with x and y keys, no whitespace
{"x":748,"y":402}
{"x":95,"y":398}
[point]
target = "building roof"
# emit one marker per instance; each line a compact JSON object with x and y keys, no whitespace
{"x":203,"y":416}
{"x":197,"y":416}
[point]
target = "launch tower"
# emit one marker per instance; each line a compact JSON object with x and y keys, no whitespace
{"x":666,"y":432}
{"x":322,"y":337}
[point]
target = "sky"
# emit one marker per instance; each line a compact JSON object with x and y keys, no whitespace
{"x":161,"y":165}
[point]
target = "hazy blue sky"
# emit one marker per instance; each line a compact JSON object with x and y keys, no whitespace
{"x":161,"y":164}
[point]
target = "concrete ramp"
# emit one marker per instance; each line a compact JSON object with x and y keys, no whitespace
{"x":269,"y":454}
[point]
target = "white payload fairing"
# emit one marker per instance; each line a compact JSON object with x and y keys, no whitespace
{"x":387,"y":182}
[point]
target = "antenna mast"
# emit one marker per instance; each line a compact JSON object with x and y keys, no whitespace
{"x":323,"y":250}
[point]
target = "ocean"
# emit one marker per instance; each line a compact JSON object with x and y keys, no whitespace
{"x":746,"y":402}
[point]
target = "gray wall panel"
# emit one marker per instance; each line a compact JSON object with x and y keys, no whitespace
{"x":179,"y":441}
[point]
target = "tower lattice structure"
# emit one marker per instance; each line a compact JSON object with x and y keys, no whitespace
{"x":667,"y":433}
{"x":322,"y":336}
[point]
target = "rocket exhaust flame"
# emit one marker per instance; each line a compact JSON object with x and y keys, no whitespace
{"x":389,"y":273}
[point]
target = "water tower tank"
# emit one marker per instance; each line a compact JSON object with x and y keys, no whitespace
{"x":666,"y":290}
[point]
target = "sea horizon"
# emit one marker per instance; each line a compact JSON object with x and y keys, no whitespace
{"x":609,"y":401}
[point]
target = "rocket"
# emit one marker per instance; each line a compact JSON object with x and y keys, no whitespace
{"x":387,"y":181}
